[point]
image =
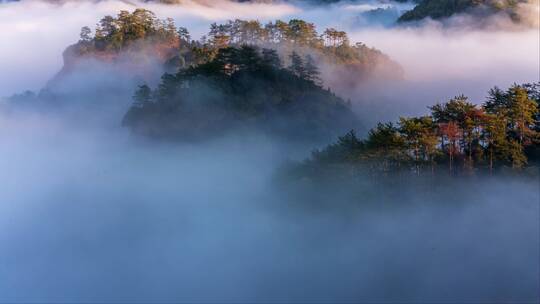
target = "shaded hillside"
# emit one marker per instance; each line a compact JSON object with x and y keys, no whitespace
{"x":439,"y":9}
{"x":332,"y":49}
{"x":243,"y":87}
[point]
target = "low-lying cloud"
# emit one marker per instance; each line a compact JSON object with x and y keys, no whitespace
{"x":89,"y":215}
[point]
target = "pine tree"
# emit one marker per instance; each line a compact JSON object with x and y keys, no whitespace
{"x":386,"y":144}
{"x":522,"y":112}
{"x":517,"y":155}
{"x":184,"y":35}
{"x":142,"y":96}
{"x":297,"y":65}
{"x":86,"y":34}
{"x":497,"y":101}
{"x":494,"y":135}
{"x":271,"y":58}
{"x":312,"y":71}
{"x":248,"y":58}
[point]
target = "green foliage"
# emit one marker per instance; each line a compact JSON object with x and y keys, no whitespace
{"x":139,"y":29}
{"x":142,"y":96}
{"x":271,"y":58}
{"x":420,"y":137}
{"x":458,"y":135}
{"x":240,"y":87}
{"x":347,"y":148}
{"x":295,"y":36}
{"x":455,"y":109}
{"x":114,"y":34}
{"x":297,"y":65}
{"x":311,"y":72}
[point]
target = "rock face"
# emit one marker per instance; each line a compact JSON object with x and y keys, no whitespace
{"x":134,"y":44}
{"x":141,"y":58}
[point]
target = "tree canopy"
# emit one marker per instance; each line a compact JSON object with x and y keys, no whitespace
{"x":175,"y":46}
{"x":243,"y":87}
{"x":458,"y":137}
{"x":118,"y":33}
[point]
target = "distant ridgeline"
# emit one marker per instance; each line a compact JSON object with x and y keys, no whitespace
{"x":458,"y":137}
{"x":439,"y":9}
{"x":240,"y":87}
{"x":203,"y":1}
{"x":250,"y":1}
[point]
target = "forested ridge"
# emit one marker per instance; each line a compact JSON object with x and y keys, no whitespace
{"x":175,"y":46}
{"x":458,"y":138}
{"x":246,"y":87}
{"x":439,"y":9}
{"x":128,"y":44}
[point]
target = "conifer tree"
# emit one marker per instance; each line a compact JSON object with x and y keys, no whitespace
{"x":271,"y":58}
{"x":312,"y":71}
{"x":297,"y":65}
{"x":86,"y":34}
{"x":184,"y":35}
{"x":522,"y":113}
{"x":142,"y":96}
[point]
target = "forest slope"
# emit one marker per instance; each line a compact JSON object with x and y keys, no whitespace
{"x":440,"y":9}
{"x":243,"y":87}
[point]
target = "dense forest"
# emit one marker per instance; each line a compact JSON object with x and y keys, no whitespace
{"x":242,"y":73}
{"x":136,"y":31}
{"x":240,"y":87}
{"x":439,"y":9}
{"x":458,"y":137}
{"x":175,"y":46}
{"x":137,"y":47}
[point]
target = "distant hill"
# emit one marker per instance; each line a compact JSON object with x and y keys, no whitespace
{"x":440,"y":9}
{"x":207,"y":1}
{"x":253,"y":1}
{"x":138,"y":41}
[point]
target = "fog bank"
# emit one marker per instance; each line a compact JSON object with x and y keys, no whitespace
{"x":90,"y":216}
